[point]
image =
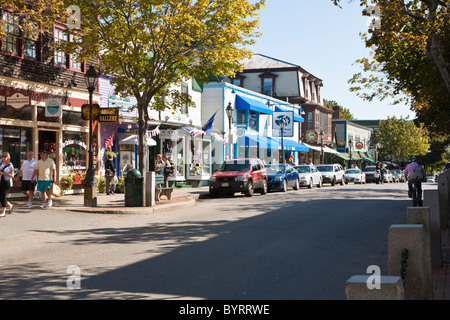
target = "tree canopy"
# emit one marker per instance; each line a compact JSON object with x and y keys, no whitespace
{"x":344,"y":113}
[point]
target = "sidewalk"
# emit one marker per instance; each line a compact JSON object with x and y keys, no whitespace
{"x":115,"y":204}
{"x":441,"y":276}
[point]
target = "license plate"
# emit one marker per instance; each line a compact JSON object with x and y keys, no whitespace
{"x":225,"y":184}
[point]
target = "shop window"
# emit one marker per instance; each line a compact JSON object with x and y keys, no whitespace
{"x":74,"y":152}
{"x":10,"y":113}
{"x":174,"y":150}
{"x":73,"y":118}
{"x":17,"y":141}
{"x":241,"y":117}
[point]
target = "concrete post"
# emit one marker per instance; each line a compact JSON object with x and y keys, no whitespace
{"x":391,"y":288}
{"x":421,"y":215}
{"x":431,"y":200}
{"x":150,"y":189}
{"x":418,"y":284}
{"x":444,"y":197}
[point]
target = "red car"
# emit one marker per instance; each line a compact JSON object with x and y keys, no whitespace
{"x":239,"y":175}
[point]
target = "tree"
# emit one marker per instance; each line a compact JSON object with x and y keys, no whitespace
{"x":410,"y":56}
{"x":149,"y":45}
{"x":400,"y":139}
{"x":344,"y":113}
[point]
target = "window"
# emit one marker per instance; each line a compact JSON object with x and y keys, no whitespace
{"x":62,"y":59}
{"x":241,"y":117}
{"x":267,"y":86}
{"x":236,"y":82}
{"x":184,"y":90}
{"x":23,"y":44}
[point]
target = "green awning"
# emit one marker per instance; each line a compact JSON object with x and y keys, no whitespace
{"x":343,"y":155}
{"x":369,"y":159}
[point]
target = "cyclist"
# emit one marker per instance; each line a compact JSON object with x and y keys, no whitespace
{"x":417,"y":179}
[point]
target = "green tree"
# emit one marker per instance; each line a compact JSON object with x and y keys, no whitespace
{"x":400,"y":139}
{"x":149,"y":45}
{"x":344,"y":113}
{"x":410,"y":58}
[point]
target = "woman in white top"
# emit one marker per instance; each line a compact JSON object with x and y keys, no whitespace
{"x":6,"y":173}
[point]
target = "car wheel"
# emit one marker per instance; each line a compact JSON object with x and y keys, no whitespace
{"x":213,"y":194}
{"x":334,"y":181}
{"x":284,"y":186}
{"x":249,"y":190}
{"x":297,"y":184}
{"x":264,"y":187}
{"x":310,"y":185}
{"x":319,"y":185}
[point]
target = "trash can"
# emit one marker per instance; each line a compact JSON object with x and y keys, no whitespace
{"x":133,"y":189}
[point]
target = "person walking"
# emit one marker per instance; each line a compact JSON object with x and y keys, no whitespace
{"x":26,"y":171}
{"x":46,"y":172}
{"x":159,"y":165}
{"x":415,"y":176}
{"x":168,"y":170}
{"x":7,"y":173}
{"x":110,"y":173}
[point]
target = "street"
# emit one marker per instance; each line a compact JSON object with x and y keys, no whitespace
{"x":284,"y":246}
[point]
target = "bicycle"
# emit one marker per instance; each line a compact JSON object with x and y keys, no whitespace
{"x":414,"y":194}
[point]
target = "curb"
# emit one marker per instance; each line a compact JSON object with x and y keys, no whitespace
{"x":188,"y":202}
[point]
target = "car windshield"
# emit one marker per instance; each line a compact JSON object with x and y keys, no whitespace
{"x":235,"y":166}
{"x":303,"y":169}
{"x":366,"y":169}
{"x":352,"y":171}
{"x":325,"y":168}
{"x":274,"y":168}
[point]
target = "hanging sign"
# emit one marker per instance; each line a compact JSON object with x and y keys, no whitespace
{"x":278,"y":117}
{"x":18,"y":101}
{"x":359,"y":145}
{"x":53,"y":107}
{"x":85,"y":111}
{"x":109,"y":115}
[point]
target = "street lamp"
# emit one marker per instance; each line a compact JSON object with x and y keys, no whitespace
{"x":321,"y":146}
{"x":90,"y":192}
{"x":282,"y":125}
{"x":350,"y":142}
{"x":230,"y":111}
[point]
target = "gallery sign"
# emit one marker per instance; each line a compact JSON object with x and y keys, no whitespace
{"x":18,"y":101}
{"x":109,"y":115}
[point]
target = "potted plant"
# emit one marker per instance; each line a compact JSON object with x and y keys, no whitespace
{"x":66,"y":183}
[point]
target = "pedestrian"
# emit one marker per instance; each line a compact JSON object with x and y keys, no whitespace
{"x":159,"y":164}
{"x":168,"y":170}
{"x":26,"y":171}
{"x":7,"y":173}
{"x":110,"y":173}
{"x":46,"y":172}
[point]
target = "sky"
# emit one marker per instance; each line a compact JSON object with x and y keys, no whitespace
{"x":324,"y":40}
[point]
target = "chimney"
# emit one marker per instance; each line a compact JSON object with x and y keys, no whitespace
{"x":336,"y":113}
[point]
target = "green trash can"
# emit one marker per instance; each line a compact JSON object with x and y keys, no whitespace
{"x":133,"y":189}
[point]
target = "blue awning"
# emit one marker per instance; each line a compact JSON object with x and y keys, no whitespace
{"x":297,"y":117}
{"x":257,"y":141}
{"x":244,"y":103}
{"x":291,"y":145}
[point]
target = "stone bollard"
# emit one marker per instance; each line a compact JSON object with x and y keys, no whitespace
{"x":418,"y":284}
{"x":431,"y":200}
{"x":391,"y":288}
{"x":421,"y":215}
{"x":444,"y":197}
{"x":150,"y":189}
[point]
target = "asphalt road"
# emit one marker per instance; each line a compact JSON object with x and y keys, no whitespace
{"x":284,"y":246}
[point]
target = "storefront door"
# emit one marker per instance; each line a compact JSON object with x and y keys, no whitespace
{"x":47,"y":142}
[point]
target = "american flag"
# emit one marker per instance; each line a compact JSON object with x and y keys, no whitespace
{"x":194,"y":132}
{"x":218,"y":138}
{"x":109,"y":142}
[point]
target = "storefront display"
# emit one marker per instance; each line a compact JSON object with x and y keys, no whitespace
{"x":74,"y":152}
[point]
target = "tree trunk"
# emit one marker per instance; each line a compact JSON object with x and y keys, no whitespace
{"x":435,"y":53}
{"x":142,"y":149}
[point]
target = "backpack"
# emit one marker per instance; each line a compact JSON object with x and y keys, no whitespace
{"x":416,"y":174}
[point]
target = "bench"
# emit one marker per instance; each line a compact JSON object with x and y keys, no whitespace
{"x":160,"y":190}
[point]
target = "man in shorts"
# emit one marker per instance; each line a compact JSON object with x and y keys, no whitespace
{"x":46,"y":172}
{"x":27,"y":170}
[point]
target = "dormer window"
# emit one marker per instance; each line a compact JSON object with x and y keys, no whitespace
{"x":268,"y":84}
{"x":238,"y":80}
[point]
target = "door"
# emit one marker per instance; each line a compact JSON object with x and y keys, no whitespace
{"x":47,"y":143}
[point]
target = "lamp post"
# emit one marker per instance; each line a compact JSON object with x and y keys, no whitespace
{"x":321,"y":146}
{"x":230,"y":111}
{"x":282,"y":124}
{"x":350,"y":142}
{"x":90,"y":192}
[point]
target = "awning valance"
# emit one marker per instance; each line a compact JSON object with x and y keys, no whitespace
{"x":292,"y":145}
{"x":297,"y":117}
{"x":244,"y":103}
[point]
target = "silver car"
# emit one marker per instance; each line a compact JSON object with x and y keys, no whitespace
{"x":354,"y":175}
{"x":309,"y":175}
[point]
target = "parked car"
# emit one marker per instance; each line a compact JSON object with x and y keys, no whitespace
{"x":309,"y":175}
{"x":239,"y":175}
{"x":282,"y":176}
{"x":431,"y":179}
{"x":354,"y":175}
{"x":388,"y":177}
{"x":331,"y":173}
{"x":398,"y":175}
{"x":372,"y":175}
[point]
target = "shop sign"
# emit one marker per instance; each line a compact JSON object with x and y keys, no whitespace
{"x":109,"y":115}
{"x":311,"y":135}
{"x":341,"y":147}
{"x":85,"y":111}
{"x":74,"y":142}
{"x":288,"y":117}
{"x":18,"y":101}
{"x":168,"y":134}
{"x":53,"y":107}
{"x":359,"y":145}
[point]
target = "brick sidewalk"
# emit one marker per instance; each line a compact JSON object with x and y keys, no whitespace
{"x":441,"y":276}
